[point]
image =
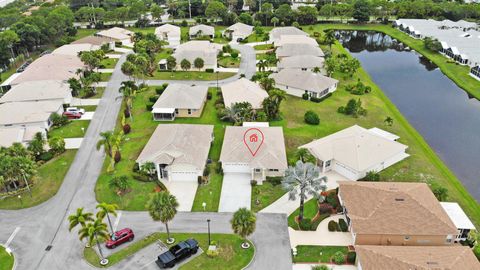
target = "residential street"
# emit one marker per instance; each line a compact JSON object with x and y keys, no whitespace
{"x":46,"y":225}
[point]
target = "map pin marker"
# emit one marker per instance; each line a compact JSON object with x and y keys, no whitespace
{"x":253,"y":138}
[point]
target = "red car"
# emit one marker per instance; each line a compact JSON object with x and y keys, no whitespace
{"x":120,"y":237}
{"x":72,"y":115}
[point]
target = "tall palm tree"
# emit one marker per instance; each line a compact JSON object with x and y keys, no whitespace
{"x":329,"y":38}
{"x":232,"y":114}
{"x":303,"y":179}
{"x":128,"y":90}
{"x":79,"y":218}
{"x":244,"y":223}
{"x":267,"y":83}
{"x":106,"y":142}
{"x":95,"y":231}
{"x":106,"y":209}
{"x":304,"y":155}
{"x":262,"y":65}
{"x":274,"y":21}
{"x":163,"y":207}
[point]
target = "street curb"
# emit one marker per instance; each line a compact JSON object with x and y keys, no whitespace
{"x":253,"y":258}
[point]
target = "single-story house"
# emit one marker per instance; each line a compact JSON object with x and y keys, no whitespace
{"x":96,"y":40}
{"x":459,"y":218}
{"x":56,"y":67}
{"x":169,"y":33}
{"x":289,"y":50}
{"x":179,"y":151}
{"x":302,"y":62}
{"x":243,"y":90}
{"x":23,"y":135}
{"x":201,"y":30}
{"x":418,"y":258}
{"x":117,"y":34}
{"x":269,"y":160}
{"x":395,"y":214}
{"x":238,"y":31}
{"x":74,"y":49}
{"x":295,"y":39}
{"x":297,"y":82}
{"x":29,"y":113}
{"x":355,"y":151}
{"x":274,"y":35}
{"x":39,"y":91}
{"x":180,"y":100}
{"x":194,"y":49}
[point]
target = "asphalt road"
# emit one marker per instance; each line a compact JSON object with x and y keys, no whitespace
{"x":42,"y":240}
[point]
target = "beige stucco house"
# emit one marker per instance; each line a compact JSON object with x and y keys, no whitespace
{"x":201,"y":30}
{"x":289,"y":50}
{"x":117,"y":34}
{"x":169,"y":33}
{"x":194,"y":49}
{"x":180,"y":100}
{"x":238,"y":31}
{"x":46,"y":90}
{"x":297,"y":82}
{"x":243,"y":90}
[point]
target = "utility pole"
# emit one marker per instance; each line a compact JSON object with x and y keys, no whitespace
{"x":190,"y":8}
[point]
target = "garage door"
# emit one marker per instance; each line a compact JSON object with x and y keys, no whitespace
{"x":236,"y":168}
{"x":183,"y":176}
{"x":345,"y":171}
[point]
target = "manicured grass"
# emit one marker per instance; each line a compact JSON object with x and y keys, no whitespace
{"x":263,"y":47}
{"x":99,"y":93}
{"x":229,"y":62}
{"x":142,"y":128}
{"x":163,"y":54}
{"x":310,"y":210}
{"x":317,"y":254}
{"x":71,"y":130}
{"x":81,"y":33}
{"x":189,"y":75}
{"x":218,"y":35}
{"x":231,"y":253}
{"x":267,"y":193}
{"x":88,"y":108}
{"x":47,"y":182}
{"x":6,"y":260}
{"x":108,"y":62}
{"x":105,"y":77}
{"x":423,"y":165}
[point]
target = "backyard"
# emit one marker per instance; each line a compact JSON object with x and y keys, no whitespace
{"x":231,"y":253}
{"x":317,"y":254}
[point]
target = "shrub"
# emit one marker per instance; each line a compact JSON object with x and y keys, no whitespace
{"x":212,"y":253}
{"x":320,"y":267}
{"x":325,"y":208}
{"x":136,"y":167}
{"x":159,"y":90}
{"x":184,"y":23}
{"x":209,"y":70}
{"x":332,"y":226}
{"x":126,"y":129}
{"x":209,"y":95}
{"x":59,"y":120}
{"x":341,"y":109}
{"x":153,"y":99}
{"x":371,"y":176}
{"x":311,"y":118}
{"x":126,"y":113}
{"x":45,"y":156}
{"x":305,"y":96}
{"x":200,"y":180}
{"x":234,"y":55}
{"x":338,"y":258}
{"x":351,"y":257}
{"x":343,"y":225}
{"x":318,"y":100}
{"x":332,"y":199}
{"x":253,"y":183}
{"x":117,"y":157}
{"x":305,"y":224}
{"x":206,"y":171}
{"x":149,"y":106}
{"x":275,"y":181}
{"x":219,"y":168}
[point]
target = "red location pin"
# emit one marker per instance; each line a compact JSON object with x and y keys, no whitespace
{"x":253,"y":139}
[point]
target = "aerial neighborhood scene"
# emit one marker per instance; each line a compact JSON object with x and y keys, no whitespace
{"x":240,"y":134}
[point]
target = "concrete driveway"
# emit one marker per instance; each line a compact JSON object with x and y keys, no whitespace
{"x":73,"y":143}
{"x":236,"y":192}
{"x":185,"y":193}
{"x":86,"y":116}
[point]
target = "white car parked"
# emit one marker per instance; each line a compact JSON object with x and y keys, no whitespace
{"x":76,"y":110}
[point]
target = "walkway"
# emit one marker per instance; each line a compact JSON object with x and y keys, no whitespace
{"x":321,"y":237}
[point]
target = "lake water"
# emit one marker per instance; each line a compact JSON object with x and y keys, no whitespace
{"x":443,"y":113}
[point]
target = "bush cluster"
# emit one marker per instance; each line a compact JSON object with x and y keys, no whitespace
{"x":311,"y":118}
{"x":305,"y":224}
{"x":343,"y":225}
{"x":351,"y":257}
{"x":338,"y":258}
{"x":333,"y":226}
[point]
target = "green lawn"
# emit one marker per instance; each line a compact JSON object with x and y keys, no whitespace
{"x":99,"y":93}
{"x":88,"y":108}
{"x":108,"y":63}
{"x":6,"y":260}
{"x":229,"y":62}
{"x":81,"y":33}
{"x":142,"y":128}
{"x":310,"y":210}
{"x":163,"y":54}
{"x":317,"y":254}
{"x":105,"y":77}
{"x":71,"y":130}
{"x":263,"y":47}
{"x":189,"y":75}
{"x":267,"y":193}
{"x":423,"y":165}
{"x":47,"y":182}
{"x":231,"y":253}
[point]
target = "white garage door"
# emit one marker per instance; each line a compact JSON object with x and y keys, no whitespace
{"x":236,"y":168}
{"x":183,"y":176}
{"x":345,"y":171}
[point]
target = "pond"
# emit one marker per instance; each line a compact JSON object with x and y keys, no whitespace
{"x":443,"y":113}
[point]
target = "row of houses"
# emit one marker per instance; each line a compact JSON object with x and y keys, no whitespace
{"x":460,"y":40}
{"x":41,"y":89}
{"x":300,"y":62}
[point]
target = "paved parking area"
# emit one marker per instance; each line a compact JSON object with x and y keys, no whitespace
{"x":86,"y":116}
{"x":236,"y":192}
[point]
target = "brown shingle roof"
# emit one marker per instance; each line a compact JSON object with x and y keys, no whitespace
{"x":394,"y":208}
{"x":416,"y":258}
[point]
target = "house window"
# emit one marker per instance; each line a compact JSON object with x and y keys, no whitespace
{"x":273,"y":170}
{"x":176,"y":111}
{"x":257,"y":170}
{"x":189,"y":111}
{"x":327,"y":163}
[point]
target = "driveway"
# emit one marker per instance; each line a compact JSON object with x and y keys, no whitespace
{"x":185,"y":193}
{"x":86,"y":116}
{"x":73,"y":143}
{"x":236,"y":192}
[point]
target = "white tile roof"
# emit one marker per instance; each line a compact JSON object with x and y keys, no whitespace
{"x":240,"y":29}
{"x":305,"y":80}
{"x":301,"y":61}
{"x":298,"y":49}
{"x":198,"y":49}
{"x":167,"y":29}
{"x":38,"y":90}
{"x":116,"y":33}
{"x":74,"y":49}
{"x":295,"y":39}
{"x":287,"y":30}
{"x":27,"y":112}
{"x":206,"y":30}
{"x":182,"y":96}
{"x":243,"y":90}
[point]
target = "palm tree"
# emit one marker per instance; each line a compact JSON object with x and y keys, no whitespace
{"x":106,"y":142}
{"x":304,"y":155}
{"x":121,"y":183}
{"x":232,"y":114}
{"x":163,"y":207}
{"x":106,"y":209}
{"x":316,"y":70}
{"x":148,"y":168}
{"x":95,"y":231}
{"x":267,"y":83}
{"x":128,"y":90}
{"x":79,"y":218}
{"x":262,"y":65}
{"x":329,"y":38}
{"x":274,"y":20}
{"x":303,"y":178}
{"x":388,"y":121}
{"x":243,"y":224}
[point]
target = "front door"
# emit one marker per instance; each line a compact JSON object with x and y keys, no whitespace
{"x":163,"y":171}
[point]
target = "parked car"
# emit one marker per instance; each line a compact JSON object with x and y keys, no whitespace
{"x":75,"y":109}
{"x":177,"y":253}
{"x":72,"y":115}
{"x":120,"y":237}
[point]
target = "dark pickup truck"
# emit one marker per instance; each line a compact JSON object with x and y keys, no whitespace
{"x":177,"y":253}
